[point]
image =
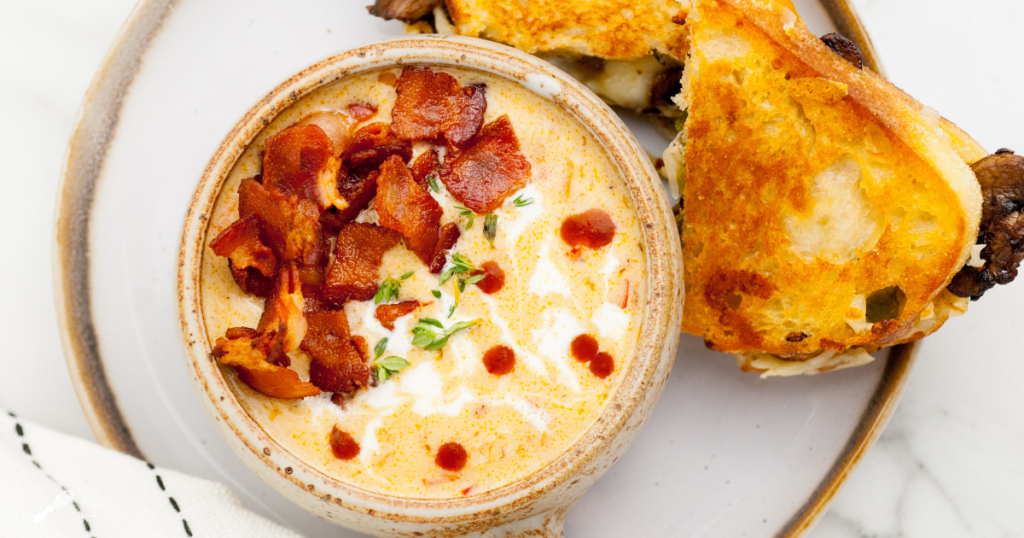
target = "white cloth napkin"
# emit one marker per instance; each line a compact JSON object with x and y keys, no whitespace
{"x":55,"y":485}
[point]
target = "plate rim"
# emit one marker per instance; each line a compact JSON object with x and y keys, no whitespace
{"x":92,"y":133}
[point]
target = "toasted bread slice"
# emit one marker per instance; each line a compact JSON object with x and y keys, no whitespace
{"x":824,"y":210}
{"x":607,"y":29}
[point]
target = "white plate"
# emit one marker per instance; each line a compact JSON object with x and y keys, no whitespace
{"x":725,"y":453}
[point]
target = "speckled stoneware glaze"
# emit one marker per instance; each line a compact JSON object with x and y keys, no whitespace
{"x":537,"y":504}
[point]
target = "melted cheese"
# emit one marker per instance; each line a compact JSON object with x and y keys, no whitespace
{"x":511,"y":425}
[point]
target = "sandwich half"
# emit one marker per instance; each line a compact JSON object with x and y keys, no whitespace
{"x":824,"y":212}
{"x":629,"y":53}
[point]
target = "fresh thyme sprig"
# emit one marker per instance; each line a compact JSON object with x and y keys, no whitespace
{"x":388,"y":289}
{"x":468,"y":213}
{"x":522,"y":202}
{"x":460,"y":264}
{"x":491,"y":227}
{"x":427,"y":337}
{"x":432,"y":180}
{"x":384,"y":369}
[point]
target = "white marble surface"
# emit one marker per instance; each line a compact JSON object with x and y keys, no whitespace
{"x":951,"y":462}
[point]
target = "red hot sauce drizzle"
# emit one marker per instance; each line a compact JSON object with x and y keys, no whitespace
{"x":451,"y":457}
{"x":592,"y":229}
{"x":343,"y":445}
{"x":494,"y":277}
{"x":603,"y":365}
{"x":500,"y":360}
{"x":586,"y":349}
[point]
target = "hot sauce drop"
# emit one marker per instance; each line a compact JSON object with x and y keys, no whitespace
{"x":584,"y":348}
{"x":451,"y":457}
{"x":499,"y":360}
{"x":343,"y":445}
{"x":603,"y":365}
{"x":494,"y":277}
{"x":592,"y":229}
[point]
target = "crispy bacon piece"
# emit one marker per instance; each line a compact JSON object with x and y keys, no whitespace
{"x":288,"y":225}
{"x":240,"y":243}
{"x":488,"y":170}
{"x":259,"y":355}
{"x":335,"y":124}
{"x":407,"y":208}
{"x":247,"y":353}
{"x":251,"y":280}
{"x":282,"y":318}
{"x":373,"y":144}
{"x":361,"y":111}
{"x":446,"y":239}
{"x":427,"y":163}
{"x":362,"y":346}
{"x":386,"y":314}
{"x":336,"y":364}
{"x":432,"y":105}
{"x":299,"y":161}
{"x":358,"y":189}
{"x":358,"y":253}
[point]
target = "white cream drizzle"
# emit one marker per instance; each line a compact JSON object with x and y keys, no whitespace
{"x":611,"y":320}
{"x":546,"y":277}
{"x":557,"y":329}
{"x":531,"y":360}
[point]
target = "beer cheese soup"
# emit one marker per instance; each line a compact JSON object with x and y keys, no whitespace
{"x":424,"y":282}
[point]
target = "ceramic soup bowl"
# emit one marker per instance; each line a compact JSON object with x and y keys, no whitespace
{"x":532,"y":505}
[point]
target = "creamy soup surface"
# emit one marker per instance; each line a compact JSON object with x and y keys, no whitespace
{"x":509,"y":425}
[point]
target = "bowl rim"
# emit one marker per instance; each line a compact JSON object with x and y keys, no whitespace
{"x":649,"y":367}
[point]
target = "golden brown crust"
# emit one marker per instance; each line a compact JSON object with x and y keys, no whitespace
{"x":613,"y":30}
{"x":777,"y":123}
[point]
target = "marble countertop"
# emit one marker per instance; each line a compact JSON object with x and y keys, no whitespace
{"x":951,"y":462}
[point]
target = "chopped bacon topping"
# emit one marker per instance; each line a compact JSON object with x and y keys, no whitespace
{"x":337,"y":127}
{"x":248,"y":355}
{"x":424,"y":165}
{"x":431,"y":105}
{"x":488,"y":170}
{"x":361,"y":111}
{"x":362,"y":346}
{"x":288,"y":225}
{"x":251,"y":280}
{"x":373,"y":144}
{"x":336,"y":364}
{"x":358,"y":254}
{"x":358,"y":189}
{"x":299,"y":161}
{"x":446,"y":239}
{"x":282,"y":316}
{"x":259,"y":355}
{"x":386,"y":314}
{"x":407,"y":208}
{"x":240,"y":243}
